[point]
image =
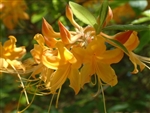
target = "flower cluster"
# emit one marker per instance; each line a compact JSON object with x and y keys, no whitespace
{"x":78,"y":55}
{"x":75,"y":55}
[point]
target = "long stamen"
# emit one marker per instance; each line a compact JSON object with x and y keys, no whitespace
{"x":58,"y":95}
{"x":103,"y":95}
{"x":144,"y":60}
{"x":22,"y":85}
{"x":49,"y":108}
{"x":94,"y":83}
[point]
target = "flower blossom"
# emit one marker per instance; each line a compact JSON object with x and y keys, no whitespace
{"x":78,"y":55}
{"x":10,"y":55}
{"x":75,"y":55}
{"x":130,"y":41}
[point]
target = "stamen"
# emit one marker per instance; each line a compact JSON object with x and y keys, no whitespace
{"x":103,"y":95}
{"x":144,"y":60}
{"x":50,"y":104}
{"x":95,"y":81}
{"x":58,"y":97}
{"x":22,"y":85}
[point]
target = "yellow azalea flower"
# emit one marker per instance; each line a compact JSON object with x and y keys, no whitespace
{"x":10,"y":55}
{"x":131,"y":44}
{"x":130,"y":40}
{"x":97,"y":60}
{"x":61,"y":62}
{"x":12,"y":11}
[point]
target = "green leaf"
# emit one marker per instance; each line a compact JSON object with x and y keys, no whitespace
{"x":82,"y":14}
{"x":102,"y":15}
{"x":127,"y":27}
{"x":141,"y":20}
{"x":121,"y":46}
{"x":146,"y":13}
{"x":119,"y":107}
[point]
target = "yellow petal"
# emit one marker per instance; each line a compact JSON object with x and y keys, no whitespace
{"x":79,"y":53}
{"x":46,"y":75}
{"x":59,"y":77}
{"x":86,"y":72}
{"x":3,"y":63}
{"x":17,"y":64}
{"x":40,"y":39}
{"x":96,"y":47}
{"x":65,"y":54}
{"x":10,"y":51}
{"x":134,"y":59}
{"x":132,"y":42}
{"x":112,"y":56}
{"x":75,"y":80}
{"x":36,"y":53}
{"x":10,"y":44}
{"x":51,"y":61}
{"x":106,"y":73}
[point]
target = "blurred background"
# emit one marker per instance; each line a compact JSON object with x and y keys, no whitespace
{"x":23,"y":19}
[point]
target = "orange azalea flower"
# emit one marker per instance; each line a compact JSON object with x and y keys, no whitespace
{"x":79,"y":54}
{"x":130,"y":40}
{"x":60,"y":62}
{"x":97,"y":60}
{"x":10,"y":55}
{"x":12,"y":11}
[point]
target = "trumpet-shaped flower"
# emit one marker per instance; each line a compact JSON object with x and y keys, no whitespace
{"x":9,"y":54}
{"x":61,"y":62}
{"x":97,"y":60}
{"x":130,"y":41}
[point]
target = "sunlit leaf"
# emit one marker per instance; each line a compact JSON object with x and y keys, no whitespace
{"x":141,"y":20}
{"x":82,"y":14}
{"x":146,"y":13}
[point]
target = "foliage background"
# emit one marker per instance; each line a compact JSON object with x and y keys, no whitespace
{"x":131,"y":94}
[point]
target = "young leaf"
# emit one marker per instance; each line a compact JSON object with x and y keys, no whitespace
{"x":102,"y":15}
{"x":82,"y":14}
{"x":127,"y":27}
